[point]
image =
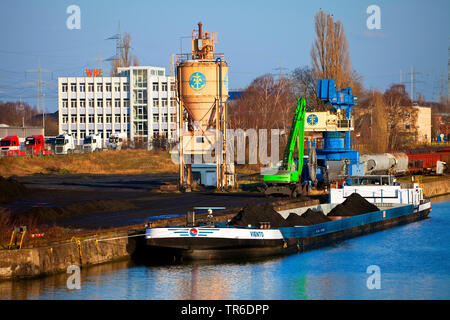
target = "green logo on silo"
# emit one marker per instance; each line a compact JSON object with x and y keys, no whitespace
{"x":197,"y":81}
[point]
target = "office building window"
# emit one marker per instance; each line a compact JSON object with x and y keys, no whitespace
{"x":99,"y":87}
{"x":82,"y":134}
{"x":126,"y":87}
{"x":164,"y":118}
{"x":64,"y":87}
{"x":91,"y":119}
{"x":64,"y":103}
{"x":117,"y":103}
{"x":108,"y":119}
{"x":73,"y":87}
{"x":91,"y":103}
{"x":155,"y":118}
{"x":164,"y":102}
{"x":73,"y":103}
{"x":126,"y":103}
{"x":64,"y":119}
{"x":155,"y":86}
{"x":117,"y":119}
{"x":82,"y":119}
{"x":155,"y":102}
{"x":73,"y":119}
{"x":82,"y":87}
{"x":164,"y":86}
{"x":108,"y":87}
{"x":173,"y":118}
{"x":99,"y":103}
{"x":108,"y":103}
{"x":116,"y":87}
{"x":82,"y":103}
{"x":172,"y":86}
{"x":173,"y":102}
{"x":100,"y":119}
{"x":140,"y":78}
{"x":91,"y":87}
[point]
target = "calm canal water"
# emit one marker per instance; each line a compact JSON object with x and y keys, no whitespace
{"x":414,"y":262}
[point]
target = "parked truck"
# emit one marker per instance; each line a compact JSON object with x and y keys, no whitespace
{"x":92,"y":143}
{"x":35,"y":146}
{"x":10,"y":147}
{"x":64,"y":144}
{"x":117,"y":141}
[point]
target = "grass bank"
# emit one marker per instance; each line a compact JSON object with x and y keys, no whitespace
{"x":130,"y":161}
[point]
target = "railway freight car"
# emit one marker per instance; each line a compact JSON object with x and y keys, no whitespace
{"x":435,"y":161}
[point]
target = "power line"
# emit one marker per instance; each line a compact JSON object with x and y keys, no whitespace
{"x":119,"y":44}
{"x":39,"y":94}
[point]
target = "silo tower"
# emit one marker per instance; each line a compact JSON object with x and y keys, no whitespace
{"x":202,"y":92}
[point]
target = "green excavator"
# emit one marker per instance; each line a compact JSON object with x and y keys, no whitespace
{"x":286,"y":178}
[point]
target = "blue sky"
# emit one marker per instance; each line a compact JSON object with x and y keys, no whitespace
{"x":257,"y":37}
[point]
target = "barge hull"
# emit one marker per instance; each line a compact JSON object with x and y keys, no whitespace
{"x":182,"y":249}
{"x":308,"y":243}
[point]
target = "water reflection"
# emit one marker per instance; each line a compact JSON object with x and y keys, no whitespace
{"x":414,"y":260}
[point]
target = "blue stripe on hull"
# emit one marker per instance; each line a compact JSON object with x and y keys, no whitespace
{"x":345,"y":223}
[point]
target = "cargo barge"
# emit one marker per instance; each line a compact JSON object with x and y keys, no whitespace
{"x":395,"y":205}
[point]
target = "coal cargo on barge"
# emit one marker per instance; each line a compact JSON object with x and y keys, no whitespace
{"x":363,"y":207}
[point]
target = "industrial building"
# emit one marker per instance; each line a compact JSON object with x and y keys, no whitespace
{"x":20,"y":132}
{"x":423,"y":124}
{"x":139,"y":101}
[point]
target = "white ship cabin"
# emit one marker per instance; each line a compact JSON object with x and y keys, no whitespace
{"x":378,"y":189}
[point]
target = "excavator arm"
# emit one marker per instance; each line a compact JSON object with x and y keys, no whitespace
{"x":296,"y":137}
{"x":287,"y":180}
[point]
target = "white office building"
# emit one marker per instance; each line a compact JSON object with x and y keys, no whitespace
{"x":140,"y":101}
{"x":153,"y":106}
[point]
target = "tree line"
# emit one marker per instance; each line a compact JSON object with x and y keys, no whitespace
{"x":383,"y":121}
{"x":16,"y":113}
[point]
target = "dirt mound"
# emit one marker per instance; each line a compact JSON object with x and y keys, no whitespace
{"x":11,"y":189}
{"x":354,"y":205}
{"x":254,"y":214}
{"x":77,"y":209}
{"x":309,"y":217}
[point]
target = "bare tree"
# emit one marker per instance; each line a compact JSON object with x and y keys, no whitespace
{"x":126,"y":58}
{"x":330,"y":55}
{"x":304,"y":84}
{"x":401,"y":117}
{"x":265,"y":104}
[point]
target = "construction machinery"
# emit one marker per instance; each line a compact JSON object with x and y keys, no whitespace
{"x":332,"y":156}
{"x":285,"y":179}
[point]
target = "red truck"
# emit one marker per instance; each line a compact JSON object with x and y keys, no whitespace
{"x":10,"y":146}
{"x":35,"y":146}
